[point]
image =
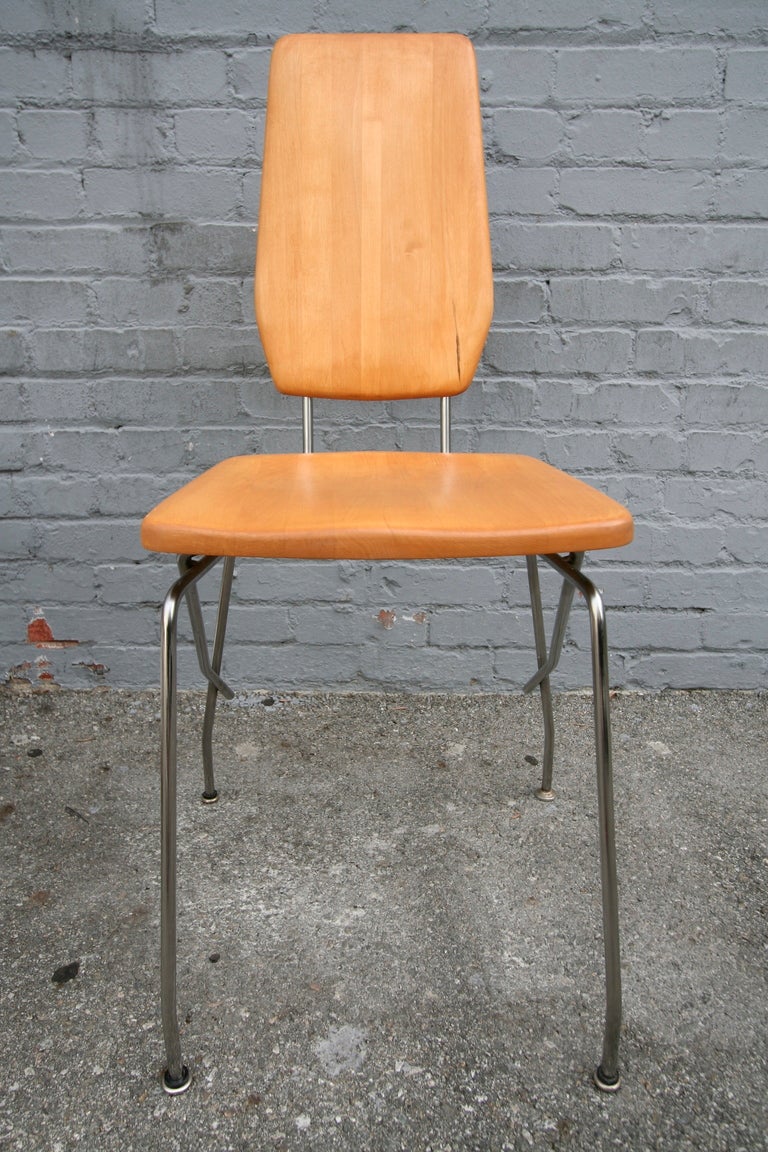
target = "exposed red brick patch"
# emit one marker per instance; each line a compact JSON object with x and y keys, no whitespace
{"x":39,"y":633}
{"x":419,"y":617}
{"x":386,"y":618}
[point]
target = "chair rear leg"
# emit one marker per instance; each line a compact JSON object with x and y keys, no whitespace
{"x":210,"y":794}
{"x":545,"y":792}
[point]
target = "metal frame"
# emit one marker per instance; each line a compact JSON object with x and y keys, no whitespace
{"x":177,"y":1076}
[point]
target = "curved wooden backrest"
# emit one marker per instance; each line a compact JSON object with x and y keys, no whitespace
{"x":373,"y":270}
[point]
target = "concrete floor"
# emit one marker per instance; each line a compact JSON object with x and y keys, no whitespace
{"x":385,"y":941}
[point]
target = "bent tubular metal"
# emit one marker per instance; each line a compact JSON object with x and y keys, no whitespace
{"x":176,"y":1078}
{"x":607,"y":1074}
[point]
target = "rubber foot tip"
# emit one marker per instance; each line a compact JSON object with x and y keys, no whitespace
{"x":210,"y":797}
{"x":175,"y":1087}
{"x":545,"y":794}
{"x":607,"y":1083}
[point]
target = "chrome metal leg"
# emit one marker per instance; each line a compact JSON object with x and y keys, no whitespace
{"x":198,"y":631}
{"x":576,"y":559}
{"x":177,"y":1077}
{"x":545,"y":791}
{"x":607,"y":1074}
{"x":210,"y":795}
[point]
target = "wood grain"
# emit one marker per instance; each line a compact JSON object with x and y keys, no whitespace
{"x":373,"y":272}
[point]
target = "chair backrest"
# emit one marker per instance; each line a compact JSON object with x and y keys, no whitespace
{"x":373,"y":269}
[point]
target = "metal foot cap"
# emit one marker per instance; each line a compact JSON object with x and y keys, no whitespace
{"x":209,"y":797}
{"x":544,"y":794}
{"x":607,"y":1083}
{"x":175,"y":1087}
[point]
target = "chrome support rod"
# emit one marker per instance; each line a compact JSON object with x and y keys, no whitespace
{"x":210,"y":795}
{"x":607,"y":1074}
{"x":177,"y":1077}
{"x":445,"y":424}
{"x":307,"y":425}
{"x":576,"y":559}
{"x":545,"y":791}
{"x":210,"y":673}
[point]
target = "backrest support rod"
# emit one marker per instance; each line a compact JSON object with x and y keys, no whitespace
{"x":445,"y":423}
{"x":307,"y":423}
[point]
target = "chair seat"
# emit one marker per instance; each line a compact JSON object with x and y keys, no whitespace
{"x":384,"y":506}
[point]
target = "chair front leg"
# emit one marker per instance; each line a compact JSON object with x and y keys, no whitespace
{"x":177,"y":1077}
{"x":607,"y":1074}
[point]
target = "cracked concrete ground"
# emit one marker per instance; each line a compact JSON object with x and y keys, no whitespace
{"x":385,"y":941}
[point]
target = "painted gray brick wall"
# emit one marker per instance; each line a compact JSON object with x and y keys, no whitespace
{"x":627,"y":148}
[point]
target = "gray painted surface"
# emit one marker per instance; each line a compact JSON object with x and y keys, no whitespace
{"x":628,"y":179}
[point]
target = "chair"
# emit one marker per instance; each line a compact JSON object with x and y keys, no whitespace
{"x":373,"y":282}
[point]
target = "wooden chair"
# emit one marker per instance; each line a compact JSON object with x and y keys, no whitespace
{"x":373,"y":282}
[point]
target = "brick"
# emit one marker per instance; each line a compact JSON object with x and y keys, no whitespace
{"x":675,"y":631}
{"x":39,"y":195}
{"x":45,"y":301}
{"x":53,"y":135}
{"x":627,"y":76}
{"x":717,"y":404}
{"x":683,"y":136}
{"x":32,"y":75}
{"x":745,"y":543}
{"x":478,"y":628}
{"x":650,"y":451}
{"x":13,"y":402}
{"x":726,"y":452}
{"x":739,"y":301}
{"x":544,"y":247}
{"x":701,"y":17}
{"x":212,"y":194}
{"x":528,"y":134}
{"x":71,"y":583}
{"x":578,"y":451}
{"x":197,"y":17}
{"x":74,"y":248}
{"x":686,"y":247}
{"x":697,"y":670}
{"x":746,"y":75}
{"x":590,"y":352}
{"x":619,"y":299}
{"x":525,"y":442}
{"x":601,"y":16}
{"x":695,"y":353}
{"x":518,"y":301}
{"x":219,"y":349}
{"x":211,"y":248}
{"x":635,"y":191}
{"x":629,"y":405}
{"x":218,"y":135}
{"x":39,"y":16}
{"x":515,"y":75}
{"x":604,"y":135}
{"x":131,"y":136}
{"x":12,"y":451}
{"x":743,"y":194}
{"x":746,"y":134}
{"x":120,"y":300}
{"x":422,"y":585}
{"x":428,"y":16}
{"x":19,"y":539}
{"x":524,"y":191}
{"x":249,"y":72}
{"x":92,"y":540}
{"x":150,"y":79}
{"x":701,"y":497}
{"x":727,"y":631}
{"x":73,"y":350}
{"x":59,"y":401}
{"x":13,"y":351}
{"x":387,"y":666}
{"x":290,"y":581}
{"x":9,"y":137}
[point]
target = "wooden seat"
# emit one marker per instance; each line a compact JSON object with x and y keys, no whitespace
{"x":385,"y":506}
{"x":374,"y":282}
